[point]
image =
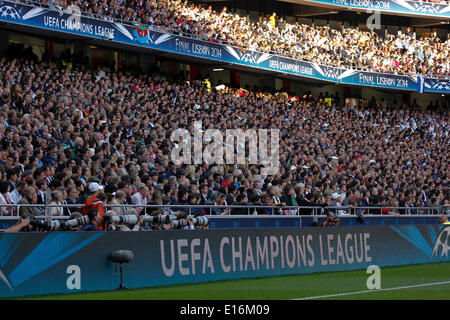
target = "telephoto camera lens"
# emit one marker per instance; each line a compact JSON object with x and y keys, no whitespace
{"x":46,"y":225}
{"x":201,"y":221}
{"x":127,"y":219}
{"x":164,"y":219}
{"x":73,"y":223}
{"x":179,"y":223}
{"x":54,"y":225}
{"x":38,"y":223}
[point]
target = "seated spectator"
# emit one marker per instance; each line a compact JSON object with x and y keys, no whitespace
{"x":30,"y":197}
{"x":241,"y":200}
{"x":217,"y":199}
{"x":73,"y":197}
{"x":289,"y":199}
{"x":195,"y":200}
{"x":140,"y":198}
{"x":5,"y":199}
{"x":55,"y":199}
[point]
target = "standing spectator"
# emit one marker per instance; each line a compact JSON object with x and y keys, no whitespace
{"x":93,"y":202}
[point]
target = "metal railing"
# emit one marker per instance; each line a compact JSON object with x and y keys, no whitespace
{"x":224,"y":210}
{"x":172,"y":31}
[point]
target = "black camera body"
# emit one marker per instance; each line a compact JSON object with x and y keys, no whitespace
{"x":44,"y":225}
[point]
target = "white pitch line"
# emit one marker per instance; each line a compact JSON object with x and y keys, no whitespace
{"x":374,"y":290}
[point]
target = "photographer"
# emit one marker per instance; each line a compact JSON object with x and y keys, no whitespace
{"x":331,"y":221}
{"x":188,"y":222}
{"x":112,"y":226}
{"x":22,"y":225}
{"x":185,"y":222}
{"x":95,"y":221}
{"x":75,"y":215}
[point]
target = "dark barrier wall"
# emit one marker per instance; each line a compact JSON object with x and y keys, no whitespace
{"x":44,"y":263}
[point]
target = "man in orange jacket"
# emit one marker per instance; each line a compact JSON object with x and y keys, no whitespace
{"x":92,"y":202}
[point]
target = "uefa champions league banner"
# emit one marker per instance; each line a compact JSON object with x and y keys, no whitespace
{"x":59,"y":20}
{"x":438,"y":86}
{"x":416,"y":7}
{"x":379,"y":80}
{"x":70,"y":262}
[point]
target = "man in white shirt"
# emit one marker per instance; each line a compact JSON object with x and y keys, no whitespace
{"x":140,"y":197}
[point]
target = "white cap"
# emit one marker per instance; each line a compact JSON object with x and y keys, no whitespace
{"x":335,"y":195}
{"x":94,"y":186}
{"x":293,"y":168}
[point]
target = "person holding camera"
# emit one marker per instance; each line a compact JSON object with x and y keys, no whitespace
{"x":22,"y":225}
{"x":331,"y":221}
{"x":95,"y":221}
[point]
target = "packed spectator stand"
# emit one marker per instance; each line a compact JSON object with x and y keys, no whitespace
{"x":402,"y":53}
{"x":63,"y":127}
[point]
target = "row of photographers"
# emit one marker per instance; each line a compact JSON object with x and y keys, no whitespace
{"x":111,"y":221}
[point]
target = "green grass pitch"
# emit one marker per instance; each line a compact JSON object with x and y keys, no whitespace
{"x":415,"y":282}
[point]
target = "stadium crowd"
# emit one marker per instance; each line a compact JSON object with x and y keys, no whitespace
{"x":347,"y":47}
{"x":64,"y":129}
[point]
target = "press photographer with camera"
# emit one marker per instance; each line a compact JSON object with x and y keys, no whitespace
{"x":331,"y":221}
{"x":95,"y":221}
{"x":115,"y":222}
{"x":28,"y":223}
{"x":182,"y":221}
{"x":22,"y":225}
